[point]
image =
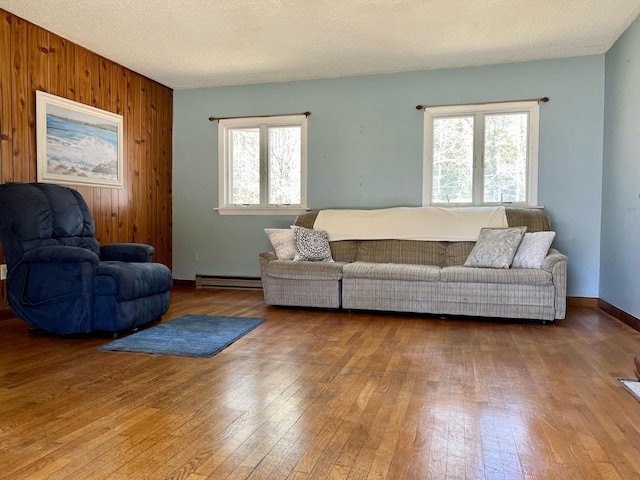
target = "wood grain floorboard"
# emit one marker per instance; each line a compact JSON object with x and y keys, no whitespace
{"x":322,"y":394}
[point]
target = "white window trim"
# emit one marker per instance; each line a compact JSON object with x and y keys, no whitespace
{"x":532,"y":107}
{"x":224,"y":167}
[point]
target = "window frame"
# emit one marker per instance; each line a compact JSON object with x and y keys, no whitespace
{"x":479,"y":111}
{"x":225,"y":127}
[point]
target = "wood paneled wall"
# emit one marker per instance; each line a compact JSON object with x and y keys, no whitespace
{"x":32,"y":58}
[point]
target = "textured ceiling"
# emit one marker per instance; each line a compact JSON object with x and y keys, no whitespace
{"x":202,"y":43}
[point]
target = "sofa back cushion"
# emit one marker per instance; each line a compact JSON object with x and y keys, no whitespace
{"x":402,"y":251}
{"x":534,"y":219}
{"x":344,"y":250}
{"x":443,"y":254}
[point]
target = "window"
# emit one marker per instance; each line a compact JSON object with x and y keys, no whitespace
{"x":481,"y":154}
{"x":262,"y":165}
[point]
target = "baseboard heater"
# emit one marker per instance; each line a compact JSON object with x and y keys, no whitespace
{"x":225,"y":281}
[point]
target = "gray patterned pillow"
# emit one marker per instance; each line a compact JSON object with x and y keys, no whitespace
{"x":495,"y":247}
{"x":282,"y":241}
{"x":312,"y":245}
{"x":533,"y":249}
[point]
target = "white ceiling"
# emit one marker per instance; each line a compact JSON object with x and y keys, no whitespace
{"x":202,"y":43}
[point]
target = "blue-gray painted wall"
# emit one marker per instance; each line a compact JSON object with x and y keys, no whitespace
{"x":365,"y":146}
{"x":620,"y":257}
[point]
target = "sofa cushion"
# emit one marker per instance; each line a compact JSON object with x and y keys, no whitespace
{"x":533,"y":249}
{"x":391,"y":271}
{"x":495,"y":247}
{"x":311,"y":245}
{"x":496,"y":275}
{"x":303,"y":270}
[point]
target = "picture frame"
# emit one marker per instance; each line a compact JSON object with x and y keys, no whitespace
{"x":78,"y":144}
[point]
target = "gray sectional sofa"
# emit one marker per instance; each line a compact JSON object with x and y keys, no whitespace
{"x":420,"y":277}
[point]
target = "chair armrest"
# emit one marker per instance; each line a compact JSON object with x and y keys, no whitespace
{"x":60,"y":254}
{"x":127,"y":252}
{"x":48,"y":276}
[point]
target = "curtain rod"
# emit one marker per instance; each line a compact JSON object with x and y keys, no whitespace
{"x":213,"y":119}
{"x":539,"y":100}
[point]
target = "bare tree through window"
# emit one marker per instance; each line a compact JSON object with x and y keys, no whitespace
{"x":482,"y":153}
{"x":262,"y":163}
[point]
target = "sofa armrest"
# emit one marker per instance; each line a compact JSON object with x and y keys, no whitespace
{"x":268,"y":256}
{"x":556,"y":264}
{"x":265,"y":258}
{"x":127,"y":252}
{"x":552,"y":258}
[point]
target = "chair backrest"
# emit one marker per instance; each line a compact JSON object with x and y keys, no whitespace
{"x":36,"y":215}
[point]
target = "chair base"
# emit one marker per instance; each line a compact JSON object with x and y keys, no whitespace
{"x":37,"y":331}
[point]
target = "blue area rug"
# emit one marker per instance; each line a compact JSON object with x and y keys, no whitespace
{"x":188,"y":336}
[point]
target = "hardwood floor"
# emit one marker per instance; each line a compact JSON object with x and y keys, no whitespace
{"x":313,"y":394}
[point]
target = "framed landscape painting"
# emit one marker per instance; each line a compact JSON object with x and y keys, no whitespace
{"x":78,"y":144}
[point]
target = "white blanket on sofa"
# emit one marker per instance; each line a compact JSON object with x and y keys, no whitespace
{"x":410,"y":223}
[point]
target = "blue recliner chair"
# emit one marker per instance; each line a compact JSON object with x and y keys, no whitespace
{"x":60,"y":280}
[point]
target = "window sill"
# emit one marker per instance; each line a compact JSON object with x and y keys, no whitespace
{"x":291,"y":211}
{"x":469,"y":205}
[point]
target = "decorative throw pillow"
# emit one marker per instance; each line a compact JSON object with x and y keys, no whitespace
{"x":282,"y":241}
{"x":312,"y":245}
{"x":533,"y":249}
{"x":495,"y":247}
